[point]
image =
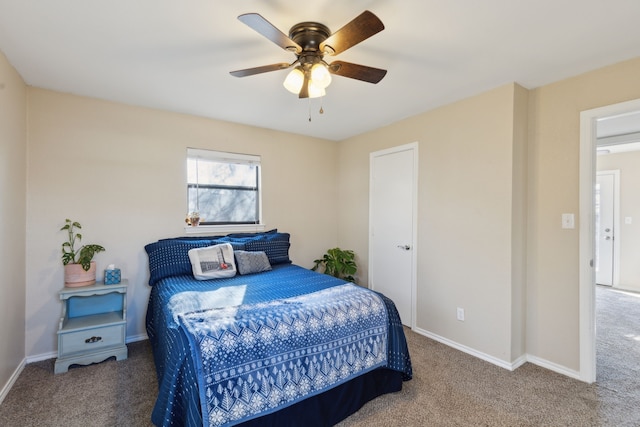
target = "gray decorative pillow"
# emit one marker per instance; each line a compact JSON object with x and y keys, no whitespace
{"x":252,"y":262}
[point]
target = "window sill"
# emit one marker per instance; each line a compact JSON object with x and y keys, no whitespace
{"x":224,"y":229}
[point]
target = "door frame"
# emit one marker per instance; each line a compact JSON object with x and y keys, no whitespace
{"x":413,"y":146}
{"x":587,"y":285}
{"x":616,"y":222}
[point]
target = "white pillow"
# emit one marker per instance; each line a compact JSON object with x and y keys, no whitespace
{"x":212,"y":262}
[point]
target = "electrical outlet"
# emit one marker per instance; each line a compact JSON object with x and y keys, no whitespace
{"x":460,"y":314}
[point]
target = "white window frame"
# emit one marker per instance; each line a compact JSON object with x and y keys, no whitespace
{"x":222,"y":156}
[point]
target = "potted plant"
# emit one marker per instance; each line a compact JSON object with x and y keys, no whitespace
{"x":193,"y":219}
{"x":79,"y":267}
{"x":338,"y":263}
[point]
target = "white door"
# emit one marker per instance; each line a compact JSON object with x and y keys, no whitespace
{"x":392,"y":220}
{"x":604,"y":229}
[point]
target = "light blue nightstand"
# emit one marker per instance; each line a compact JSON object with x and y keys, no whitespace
{"x":93,"y":325}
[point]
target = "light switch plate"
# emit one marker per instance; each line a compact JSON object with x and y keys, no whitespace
{"x":568,"y":220}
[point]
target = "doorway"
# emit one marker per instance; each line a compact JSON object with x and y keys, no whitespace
{"x":588,"y":139}
{"x":393,"y":226}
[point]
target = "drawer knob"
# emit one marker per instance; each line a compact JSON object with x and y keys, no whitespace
{"x":92,"y":340}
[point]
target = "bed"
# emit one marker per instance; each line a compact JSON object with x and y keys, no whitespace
{"x":271,"y":344}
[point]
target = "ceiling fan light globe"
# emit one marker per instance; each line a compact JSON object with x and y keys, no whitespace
{"x":320,"y":75}
{"x":293,"y":82}
{"x":316,"y":91}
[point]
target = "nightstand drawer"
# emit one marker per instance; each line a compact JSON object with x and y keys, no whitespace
{"x":91,"y":339}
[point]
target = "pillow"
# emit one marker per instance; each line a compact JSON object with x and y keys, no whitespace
{"x":190,"y":238}
{"x":252,"y":262}
{"x":170,"y":257}
{"x":261,"y":233}
{"x":213,"y":262}
{"x":275,"y":245}
{"x":236,"y":244}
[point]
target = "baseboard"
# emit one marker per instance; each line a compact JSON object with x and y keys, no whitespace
{"x":136,"y":338}
{"x":41,"y":357}
{"x":7,"y":387}
{"x":519,"y":362}
{"x":473,"y":352}
{"x":554,"y":367}
{"x":498,"y":362}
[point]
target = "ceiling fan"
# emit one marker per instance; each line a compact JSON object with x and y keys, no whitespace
{"x":310,"y":42}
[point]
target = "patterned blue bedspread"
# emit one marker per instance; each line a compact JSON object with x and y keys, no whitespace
{"x":264,"y":341}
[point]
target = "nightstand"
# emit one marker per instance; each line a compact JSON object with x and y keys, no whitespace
{"x":93,"y":325}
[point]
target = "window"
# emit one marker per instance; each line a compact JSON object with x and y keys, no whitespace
{"x":224,"y":188}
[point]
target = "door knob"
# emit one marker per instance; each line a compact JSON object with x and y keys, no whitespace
{"x":405,"y":247}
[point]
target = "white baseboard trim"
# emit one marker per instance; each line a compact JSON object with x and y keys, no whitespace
{"x":498,"y":362}
{"x":554,"y":367}
{"x":136,"y":338}
{"x":463,"y":348}
{"x":41,"y":357}
{"x":7,"y":387}
{"x":519,"y":362}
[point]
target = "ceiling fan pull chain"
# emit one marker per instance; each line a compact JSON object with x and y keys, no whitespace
{"x":309,"y":99}
{"x":321,"y":102}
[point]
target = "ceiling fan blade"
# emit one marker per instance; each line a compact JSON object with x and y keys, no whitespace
{"x":264,"y":27}
{"x":361,"y":28}
{"x":355,"y":71}
{"x":258,"y":70}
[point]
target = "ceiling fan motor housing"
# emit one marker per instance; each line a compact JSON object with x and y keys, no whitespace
{"x":310,"y":42}
{"x":309,"y":36}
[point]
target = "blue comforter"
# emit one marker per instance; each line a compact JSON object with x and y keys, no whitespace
{"x":220,"y":346}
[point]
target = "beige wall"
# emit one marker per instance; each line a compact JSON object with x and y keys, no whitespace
{"x":120,"y":172}
{"x":552,"y":253}
{"x":467,"y":199}
{"x":628,"y":234}
{"x":13,"y":190}
{"x":470,"y":227}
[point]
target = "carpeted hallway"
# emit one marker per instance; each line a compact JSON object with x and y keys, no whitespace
{"x":449,"y":388}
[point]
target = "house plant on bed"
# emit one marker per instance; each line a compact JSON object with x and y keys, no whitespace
{"x":79,"y":267}
{"x":338,"y":263}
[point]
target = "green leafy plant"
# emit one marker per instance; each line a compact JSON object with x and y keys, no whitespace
{"x":338,"y":263}
{"x":84,"y":254}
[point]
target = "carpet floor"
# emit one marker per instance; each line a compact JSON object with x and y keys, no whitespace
{"x":449,"y":388}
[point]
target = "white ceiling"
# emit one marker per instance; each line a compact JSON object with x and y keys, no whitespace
{"x":176,"y":56}
{"x":619,"y":133}
{"x":621,"y":124}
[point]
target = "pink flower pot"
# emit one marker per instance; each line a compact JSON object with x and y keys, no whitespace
{"x":75,"y":276}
